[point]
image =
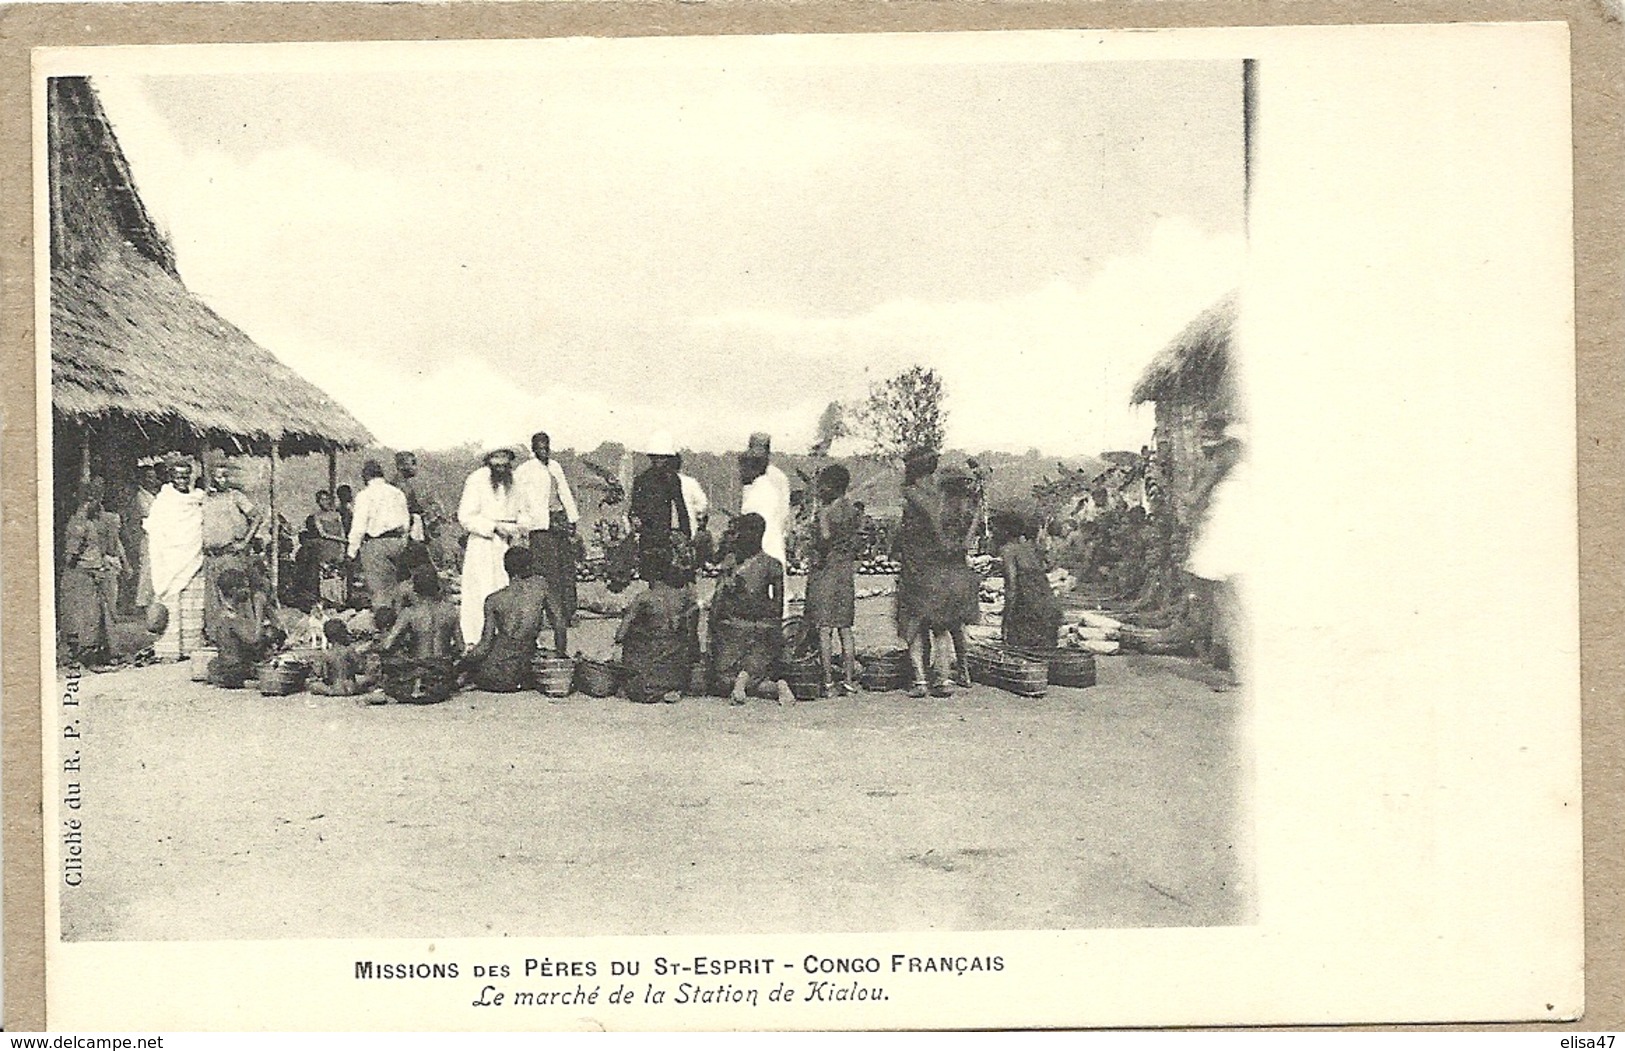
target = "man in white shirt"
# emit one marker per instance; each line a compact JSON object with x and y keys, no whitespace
{"x":547,"y":512}
{"x":378,"y":533}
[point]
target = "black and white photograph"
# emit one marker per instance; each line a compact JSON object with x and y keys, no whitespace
{"x":670,"y":489}
{"x":617,"y":501}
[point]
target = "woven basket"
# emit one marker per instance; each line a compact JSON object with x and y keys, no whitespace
{"x":597,"y":678}
{"x":555,"y":676}
{"x":884,"y":671}
{"x":1067,"y":667}
{"x":806,"y":679}
{"x":199,"y":664}
{"x":284,"y":677}
{"x":1007,"y":670}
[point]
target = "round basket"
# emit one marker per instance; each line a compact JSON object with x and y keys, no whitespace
{"x":597,"y":678}
{"x":806,"y":679}
{"x":281,"y":678}
{"x":199,"y":669}
{"x":555,"y":676}
{"x":884,"y":671}
{"x":1067,"y":667}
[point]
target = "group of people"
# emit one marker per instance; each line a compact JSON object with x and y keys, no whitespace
{"x":518,"y":575}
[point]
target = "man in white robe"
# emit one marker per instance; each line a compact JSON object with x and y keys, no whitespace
{"x":489,"y":511}
{"x":762,"y":445}
{"x":174,"y":528}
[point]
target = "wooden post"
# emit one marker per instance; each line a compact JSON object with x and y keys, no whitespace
{"x":276,"y":528}
{"x":332,"y":469}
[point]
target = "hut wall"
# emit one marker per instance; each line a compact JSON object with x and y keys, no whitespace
{"x":1180,"y":427}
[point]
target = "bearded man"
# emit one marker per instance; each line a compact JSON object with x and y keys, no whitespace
{"x":489,"y":512}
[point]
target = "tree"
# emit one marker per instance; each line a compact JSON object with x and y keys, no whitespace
{"x":902,"y":413}
{"x":831,"y":425}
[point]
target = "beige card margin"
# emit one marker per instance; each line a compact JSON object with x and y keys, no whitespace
{"x":1599,"y":133}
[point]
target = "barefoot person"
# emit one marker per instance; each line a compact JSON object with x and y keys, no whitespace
{"x":489,"y":511}
{"x":926,"y":605}
{"x":174,"y":528}
{"x":766,"y":492}
{"x":421,"y":648}
{"x":747,"y":610}
{"x":1032,"y":615}
{"x":660,"y":640}
{"x":659,"y":512}
{"x":513,"y":619}
{"x":87,"y":587}
{"x":378,"y":529}
{"x":548,"y":515}
{"x":239,"y":629}
{"x":340,"y":669}
{"x":831,"y":595}
{"x":231,"y":521}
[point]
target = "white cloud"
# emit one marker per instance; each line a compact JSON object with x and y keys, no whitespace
{"x":1051,"y":368}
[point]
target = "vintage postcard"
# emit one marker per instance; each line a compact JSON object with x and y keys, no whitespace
{"x":984,"y":529}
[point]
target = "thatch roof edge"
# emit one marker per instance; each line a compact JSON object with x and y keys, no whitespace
{"x":1197,"y":359}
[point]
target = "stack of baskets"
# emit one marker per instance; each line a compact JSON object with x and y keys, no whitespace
{"x":596,"y":678}
{"x":806,"y":677}
{"x":555,"y":676}
{"x":1067,"y":667}
{"x":1007,"y":669}
{"x":282,"y":676}
{"x":884,"y":671}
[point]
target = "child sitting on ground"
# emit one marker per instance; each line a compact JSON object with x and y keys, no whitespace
{"x":341,"y":668}
{"x":748,"y":612}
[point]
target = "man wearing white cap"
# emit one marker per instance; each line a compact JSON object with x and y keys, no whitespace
{"x":659,"y":512}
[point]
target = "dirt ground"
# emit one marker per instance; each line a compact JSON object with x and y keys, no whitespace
{"x":213,"y":814}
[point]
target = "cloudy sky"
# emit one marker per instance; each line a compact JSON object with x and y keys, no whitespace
{"x":709,"y":247}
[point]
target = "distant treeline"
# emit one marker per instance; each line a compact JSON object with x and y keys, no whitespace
{"x":442,"y":472}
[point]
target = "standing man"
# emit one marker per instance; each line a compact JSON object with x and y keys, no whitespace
{"x":548,"y":513}
{"x":378,"y":533}
{"x":699,"y":516}
{"x":230,"y":522}
{"x":489,"y":511}
{"x":766,"y":492}
{"x":174,"y":529}
{"x":424,"y":511}
{"x":761,"y":444}
{"x":659,"y":513}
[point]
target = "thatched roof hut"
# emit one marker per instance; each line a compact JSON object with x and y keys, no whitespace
{"x":1196,"y":365}
{"x":1193,"y":383}
{"x":133,"y":352}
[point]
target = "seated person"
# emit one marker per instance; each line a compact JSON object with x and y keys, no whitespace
{"x":239,"y":631}
{"x":419,"y":651}
{"x":501,"y":661}
{"x":660,"y":640}
{"x":747,"y":614}
{"x":341,"y":670}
